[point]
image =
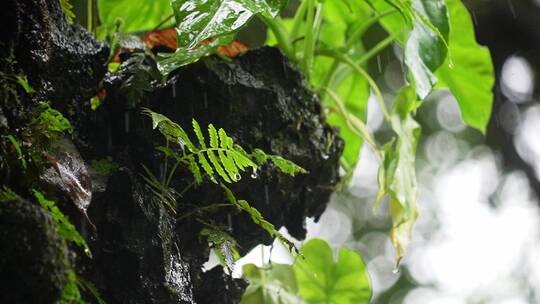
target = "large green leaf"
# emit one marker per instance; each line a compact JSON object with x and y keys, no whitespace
{"x":425,"y":49}
{"x":168,"y":62}
{"x":470,"y":74}
{"x":321,"y":279}
{"x":198,"y":20}
{"x":428,"y":27}
{"x":341,"y":19}
{"x":137,"y":15}
{"x":397,"y":175}
{"x":274,"y":283}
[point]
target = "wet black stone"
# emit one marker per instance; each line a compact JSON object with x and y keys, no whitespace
{"x":135,"y":257}
{"x":263,"y":102}
{"x":63,"y":62}
{"x":34,"y":259}
{"x":219,"y":288}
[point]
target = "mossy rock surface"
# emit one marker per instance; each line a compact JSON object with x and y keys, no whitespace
{"x":34,"y":261}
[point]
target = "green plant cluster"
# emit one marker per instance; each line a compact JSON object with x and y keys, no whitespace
{"x":215,"y":157}
{"x":23,"y":157}
{"x":325,"y":39}
{"x":64,"y":227}
{"x":315,"y":277}
{"x":72,"y":291}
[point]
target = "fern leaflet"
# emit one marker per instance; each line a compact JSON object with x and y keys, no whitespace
{"x":258,"y":219}
{"x":215,"y":152}
{"x":64,"y":227}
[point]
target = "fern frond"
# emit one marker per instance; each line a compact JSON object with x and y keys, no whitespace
{"x":224,"y":245}
{"x":218,"y":156}
{"x":67,"y":8}
{"x":257,"y":218}
{"x":7,"y":195}
{"x":198,"y":133}
{"x":242,"y":159}
{"x":229,"y":165}
{"x":170,"y":130}
{"x":286,"y":166}
{"x":64,"y":227}
{"x":212,"y":133}
{"x":194,"y":168}
{"x":206,"y":167}
{"x":165,"y":197}
{"x":217,"y":166}
{"x":283,"y":165}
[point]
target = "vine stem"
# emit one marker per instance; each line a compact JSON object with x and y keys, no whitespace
{"x":210,"y":207}
{"x":162,"y":22}
{"x":355,"y":124}
{"x":363,"y":59}
{"x":278,"y":28}
{"x":356,"y":35}
{"x":308,"y":34}
{"x":298,"y":18}
{"x":89,"y":11}
{"x":346,"y":59}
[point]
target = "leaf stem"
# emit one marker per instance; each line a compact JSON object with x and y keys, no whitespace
{"x":162,"y":22}
{"x":89,"y":17}
{"x":357,"y":34}
{"x":355,"y":124}
{"x":307,"y":58}
{"x":364,"y":58}
{"x":298,"y":19}
{"x":346,"y":59}
{"x":278,"y":28}
{"x":210,"y":207}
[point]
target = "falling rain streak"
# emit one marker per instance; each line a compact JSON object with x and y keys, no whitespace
{"x":512,"y":8}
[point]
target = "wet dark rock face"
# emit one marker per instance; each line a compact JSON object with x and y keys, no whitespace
{"x":261,"y":100}
{"x":64,"y":64}
{"x":135,"y":256}
{"x":33,"y":258}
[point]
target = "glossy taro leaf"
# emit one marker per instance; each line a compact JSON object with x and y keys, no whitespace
{"x":202,"y":26}
{"x":426,"y":47}
{"x":198,"y":20}
{"x":323,"y":279}
{"x":469,"y":76}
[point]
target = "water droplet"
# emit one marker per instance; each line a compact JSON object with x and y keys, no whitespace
{"x":254,"y":174}
{"x":237,"y":177}
{"x":512,"y":8}
{"x":88,"y":252}
{"x":396,"y":270}
{"x":325,"y":156}
{"x":451,"y":65}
